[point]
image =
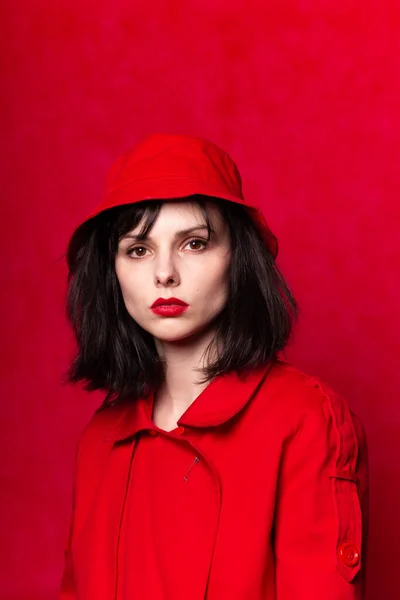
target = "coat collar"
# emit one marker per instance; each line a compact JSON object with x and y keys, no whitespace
{"x":221,"y":400}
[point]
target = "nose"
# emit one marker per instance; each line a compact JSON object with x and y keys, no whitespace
{"x":166,"y":272}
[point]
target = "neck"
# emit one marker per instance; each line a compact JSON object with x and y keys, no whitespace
{"x":181,"y":385}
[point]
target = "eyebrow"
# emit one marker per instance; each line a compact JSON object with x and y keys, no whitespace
{"x":180,"y":233}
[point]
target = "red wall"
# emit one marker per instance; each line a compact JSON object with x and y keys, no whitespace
{"x":305,"y":96}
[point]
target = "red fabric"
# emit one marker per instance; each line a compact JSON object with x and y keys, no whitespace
{"x":275,"y":509}
{"x":158,"y":543}
{"x":168,"y":167}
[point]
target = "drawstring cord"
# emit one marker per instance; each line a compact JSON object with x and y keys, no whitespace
{"x":196,"y":460}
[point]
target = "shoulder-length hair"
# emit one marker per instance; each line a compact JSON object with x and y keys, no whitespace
{"x":116,"y":355}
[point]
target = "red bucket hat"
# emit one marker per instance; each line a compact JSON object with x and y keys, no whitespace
{"x":168,"y":167}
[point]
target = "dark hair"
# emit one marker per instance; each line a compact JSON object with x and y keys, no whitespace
{"x":116,"y":355}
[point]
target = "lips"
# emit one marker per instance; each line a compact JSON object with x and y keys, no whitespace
{"x":170,"y":307}
{"x":168,"y":302}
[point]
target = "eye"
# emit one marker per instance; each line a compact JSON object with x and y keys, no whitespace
{"x":137,"y":252}
{"x":197,"y":244}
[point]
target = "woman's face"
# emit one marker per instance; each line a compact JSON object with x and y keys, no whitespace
{"x":176,"y":261}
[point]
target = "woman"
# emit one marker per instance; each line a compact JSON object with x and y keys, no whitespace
{"x":213,"y":469}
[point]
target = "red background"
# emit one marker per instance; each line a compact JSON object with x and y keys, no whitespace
{"x":305,"y":96}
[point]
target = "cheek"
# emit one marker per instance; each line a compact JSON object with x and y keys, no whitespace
{"x":131,"y":288}
{"x":122,"y":278}
{"x":214,"y":288}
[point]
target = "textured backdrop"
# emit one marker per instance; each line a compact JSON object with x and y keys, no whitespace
{"x":305,"y":96}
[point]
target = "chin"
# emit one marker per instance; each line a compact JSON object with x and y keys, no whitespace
{"x":175,"y":332}
{"x":171,"y":337}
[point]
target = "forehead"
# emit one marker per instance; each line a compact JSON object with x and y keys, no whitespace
{"x":178,"y":215}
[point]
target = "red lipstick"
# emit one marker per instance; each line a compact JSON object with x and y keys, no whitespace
{"x":169,"y":307}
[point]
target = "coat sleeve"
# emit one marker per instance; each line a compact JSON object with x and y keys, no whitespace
{"x":321,"y":515}
{"x":90,"y":456}
{"x":68,"y":589}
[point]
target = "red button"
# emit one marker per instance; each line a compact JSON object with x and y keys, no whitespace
{"x":153,"y":432}
{"x":179,"y":430}
{"x":349,"y":554}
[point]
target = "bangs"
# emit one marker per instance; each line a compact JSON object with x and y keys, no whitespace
{"x":124,"y":219}
{"x":129,"y":217}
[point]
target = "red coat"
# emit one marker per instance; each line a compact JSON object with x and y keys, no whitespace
{"x":286,"y":498}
